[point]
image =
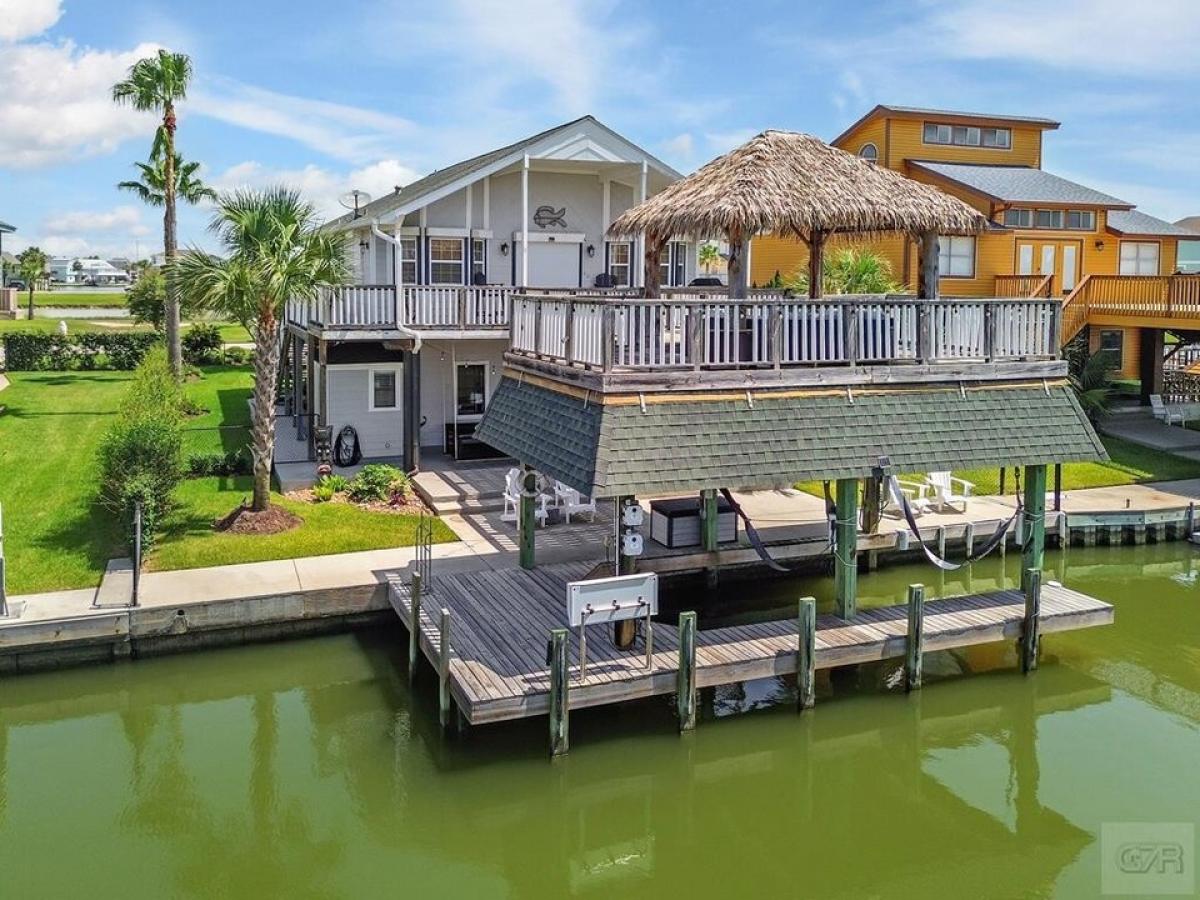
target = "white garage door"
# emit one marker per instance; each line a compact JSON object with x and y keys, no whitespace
{"x":552,"y":264}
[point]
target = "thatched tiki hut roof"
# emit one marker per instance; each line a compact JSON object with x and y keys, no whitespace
{"x":794,"y":185}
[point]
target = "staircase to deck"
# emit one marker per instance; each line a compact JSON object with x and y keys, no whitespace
{"x":1149,"y":301}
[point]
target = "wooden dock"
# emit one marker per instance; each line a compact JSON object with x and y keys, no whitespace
{"x":500,"y":623}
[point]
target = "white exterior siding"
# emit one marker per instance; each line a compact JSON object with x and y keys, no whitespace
{"x":380,"y":432}
{"x":437,"y":380}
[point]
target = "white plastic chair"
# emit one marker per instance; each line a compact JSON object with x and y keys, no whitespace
{"x":512,"y":500}
{"x":571,"y":502}
{"x":944,"y":494}
{"x":1166,"y":414}
{"x":915,"y":493}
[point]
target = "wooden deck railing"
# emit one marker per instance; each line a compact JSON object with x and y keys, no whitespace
{"x":611,"y":335}
{"x":1024,"y":285}
{"x":1132,"y":297}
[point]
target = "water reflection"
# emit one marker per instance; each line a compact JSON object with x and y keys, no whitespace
{"x":309,"y":769}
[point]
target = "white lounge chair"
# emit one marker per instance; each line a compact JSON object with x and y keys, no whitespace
{"x":915,"y":493}
{"x":512,"y":500}
{"x":1168,"y":415}
{"x":571,"y":502}
{"x":942,"y":486}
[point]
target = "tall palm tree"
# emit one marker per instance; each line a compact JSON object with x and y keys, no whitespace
{"x":31,"y":264}
{"x":274,"y":253}
{"x":156,"y":84}
{"x":151,"y":184}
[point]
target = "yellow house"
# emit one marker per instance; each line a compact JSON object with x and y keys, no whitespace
{"x":1052,"y":236}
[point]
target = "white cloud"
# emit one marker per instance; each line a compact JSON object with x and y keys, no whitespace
{"x":123,"y":220}
{"x":21,"y":19}
{"x":320,"y":186}
{"x":720,"y":142}
{"x":56,"y":104}
{"x":680,"y":148}
{"x":350,"y":133}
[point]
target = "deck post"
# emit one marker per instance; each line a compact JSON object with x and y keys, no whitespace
{"x":1030,"y":627}
{"x":914,"y":643}
{"x":709,"y":518}
{"x":559,"y":689}
{"x":528,"y":517}
{"x":846,"y":547}
{"x":685,"y":682}
{"x":414,"y":627}
{"x":444,"y":668}
{"x":1033,"y":532}
{"x":806,"y":654}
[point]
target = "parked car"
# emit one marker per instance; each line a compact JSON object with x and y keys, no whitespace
{"x":18,"y":284}
{"x":707,"y":281}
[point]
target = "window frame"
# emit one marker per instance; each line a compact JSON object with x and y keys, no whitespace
{"x":372,"y":405}
{"x":932,"y":132}
{"x":405,"y":244}
{"x":1137,"y":259}
{"x":478,"y":264}
{"x":628,"y":265}
{"x":946,"y":253}
{"x":460,"y":416}
{"x":461,"y":262}
{"x":874,"y":157}
{"x":1119,"y":349}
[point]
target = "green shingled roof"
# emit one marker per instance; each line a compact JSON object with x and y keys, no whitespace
{"x":686,"y":445}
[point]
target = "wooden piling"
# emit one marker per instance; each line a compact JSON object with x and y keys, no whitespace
{"x":806,"y":657}
{"x":846,"y":550}
{"x":969,"y":537}
{"x":685,"y":683}
{"x":1034,"y":531}
{"x":709,"y":520}
{"x":1030,"y":637}
{"x":914,"y":639}
{"x":444,"y":668}
{"x":527,"y":524}
{"x":559,"y":691}
{"x":941,"y":541}
{"x":414,"y":627}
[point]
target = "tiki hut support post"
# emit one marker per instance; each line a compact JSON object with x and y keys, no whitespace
{"x":816,"y":263}
{"x":739,"y":276}
{"x":652,"y":275}
{"x":928,"y":286}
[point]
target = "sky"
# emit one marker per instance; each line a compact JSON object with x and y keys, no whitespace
{"x":370,"y":94}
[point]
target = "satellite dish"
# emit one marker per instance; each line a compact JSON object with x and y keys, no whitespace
{"x":355,"y":200}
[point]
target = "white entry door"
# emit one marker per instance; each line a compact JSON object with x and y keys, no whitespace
{"x":553,"y":264}
{"x":1025,"y":259}
{"x":1047,"y":260}
{"x":1070,"y":269}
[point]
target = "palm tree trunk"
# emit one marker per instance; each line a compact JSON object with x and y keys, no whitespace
{"x":31,"y":299}
{"x":171,"y":310}
{"x":266,"y":368}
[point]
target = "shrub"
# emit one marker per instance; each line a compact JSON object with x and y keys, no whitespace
{"x":338,"y":483}
{"x":147,"y":296}
{"x":323,"y":492}
{"x":38,"y":351}
{"x":376,"y":482}
{"x":140,"y":456}
{"x":231,"y":462}
{"x":238,"y":356}
{"x":140,"y":489}
{"x":202,"y":344}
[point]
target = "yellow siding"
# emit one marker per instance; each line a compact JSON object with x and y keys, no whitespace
{"x":872,"y":132}
{"x":769,"y":254}
{"x":1131,"y":348}
{"x":905,"y":142}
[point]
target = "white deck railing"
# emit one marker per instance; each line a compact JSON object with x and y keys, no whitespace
{"x":627,"y":334}
{"x":425,"y":306}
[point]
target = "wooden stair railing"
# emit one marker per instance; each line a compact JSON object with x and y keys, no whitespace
{"x":1075,"y":310}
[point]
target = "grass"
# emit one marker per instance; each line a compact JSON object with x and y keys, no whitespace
{"x":231,"y":332}
{"x":223,"y":391}
{"x":57,"y":536}
{"x":73,"y":298}
{"x":1128,"y":464}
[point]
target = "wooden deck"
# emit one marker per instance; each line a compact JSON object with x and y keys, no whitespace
{"x":501,"y":622}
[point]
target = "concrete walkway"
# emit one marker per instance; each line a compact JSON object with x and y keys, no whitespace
{"x":1140,"y":427}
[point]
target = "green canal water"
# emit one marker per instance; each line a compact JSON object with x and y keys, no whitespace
{"x":307,"y":769}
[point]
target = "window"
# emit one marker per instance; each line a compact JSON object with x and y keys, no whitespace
{"x":956,"y":256}
{"x":1083,"y":220}
{"x":1048,"y":218}
{"x":1139,"y":258}
{"x":445,"y":261}
{"x":618,"y":264}
{"x":383,"y":389}
{"x":1112,"y":342}
{"x":967,"y":136}
{"x":870,"y":153}
{"x":671,"y":263}
{"x":408,"y":260}
{"x":470,"y":389}
{"x":478,"y":258}
{"x":1018,"y":218}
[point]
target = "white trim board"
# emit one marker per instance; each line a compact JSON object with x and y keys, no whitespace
{"x":556,"y":237}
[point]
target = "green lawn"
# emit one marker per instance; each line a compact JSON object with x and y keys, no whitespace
{"x":1128,"y":464}
{"x":231,"y":332}
{"x":56,"y":536}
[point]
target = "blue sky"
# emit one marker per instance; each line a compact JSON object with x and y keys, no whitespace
{"x":372,"y":93}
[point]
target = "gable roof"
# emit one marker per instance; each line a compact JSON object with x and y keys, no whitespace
{"x":947,"y":114}
{"x":1192,"y":222}
{"x":1019,"y":184}
{"x":1130,"y":221}
{"x":5,"y":228}
{"x":461,"y":171}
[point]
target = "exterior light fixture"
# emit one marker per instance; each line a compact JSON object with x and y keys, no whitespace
{"x":591,"y":250}
{"x":1099,"y":245}
{"x":504,"y":249}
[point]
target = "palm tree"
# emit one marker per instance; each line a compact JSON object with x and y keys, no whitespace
{"x":849,"y":272}
{"x":150,"y":186}
{"x":709,"y":256}
{"x":31,"y":263}
{"x":156,"y":84}
{"x":274,"y":253}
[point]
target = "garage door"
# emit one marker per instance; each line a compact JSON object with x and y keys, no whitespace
{"x":552,"y":264}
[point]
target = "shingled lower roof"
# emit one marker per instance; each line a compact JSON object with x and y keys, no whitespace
{"x":1019,"y":184}
{"x":683,"y":443}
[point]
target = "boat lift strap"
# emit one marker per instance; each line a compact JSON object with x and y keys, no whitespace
{"x":751,"y":532}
